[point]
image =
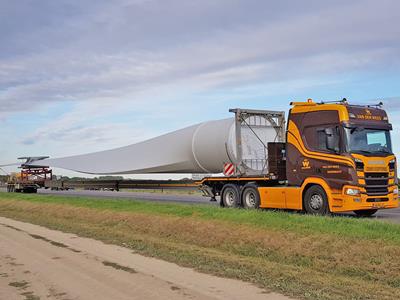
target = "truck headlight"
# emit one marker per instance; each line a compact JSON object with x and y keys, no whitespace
{"x":352,"y":192}
{"x":396,"y":191}
{"x":359,"y":164}
{"x":392,"y":164}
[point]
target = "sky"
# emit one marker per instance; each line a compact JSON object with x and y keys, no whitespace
{"x":82,"y":76}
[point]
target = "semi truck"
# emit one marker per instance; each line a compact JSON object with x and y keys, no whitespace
{"x":335,"y":158}
{"x":329,"y":157}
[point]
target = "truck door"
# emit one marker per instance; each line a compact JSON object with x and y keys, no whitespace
{"x":317,"y":133}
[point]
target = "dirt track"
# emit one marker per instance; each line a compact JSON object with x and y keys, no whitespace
{"x":38,"y":263}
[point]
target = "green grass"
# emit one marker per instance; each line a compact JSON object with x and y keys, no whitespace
{"x":307,"y":257}
{"x":368,"y":229}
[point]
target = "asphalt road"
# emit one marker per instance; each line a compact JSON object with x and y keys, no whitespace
{"x":392,"y":214}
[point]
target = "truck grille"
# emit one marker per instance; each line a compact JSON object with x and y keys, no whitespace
{"x":376,"y":184}
{"x":377,"y":200}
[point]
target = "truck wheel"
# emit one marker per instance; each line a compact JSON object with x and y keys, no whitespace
{"x":251,"y":197}
{"x":316,"y":201}
{"x":365,"y":213}
{"x":231,"y":196}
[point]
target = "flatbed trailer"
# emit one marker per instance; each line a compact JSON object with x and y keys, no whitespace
{"x":117,"y":185}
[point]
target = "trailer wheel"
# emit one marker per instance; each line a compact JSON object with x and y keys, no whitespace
{"x":365,"y":213}
{"x":316,"y":201}
{"x":251,"y":197}
{"x":29,"y":190}
{"x":231,"y":196}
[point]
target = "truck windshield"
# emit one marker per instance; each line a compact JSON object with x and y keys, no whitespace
{"x":368,"y":141}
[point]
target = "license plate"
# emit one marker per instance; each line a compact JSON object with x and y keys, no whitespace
{"x":378,"y":205}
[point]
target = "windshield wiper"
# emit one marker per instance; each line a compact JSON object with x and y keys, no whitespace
{"x":384,"y":151}
{"x":362,"y":151}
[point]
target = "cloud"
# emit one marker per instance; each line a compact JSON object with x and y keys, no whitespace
{"x":159,"y":65}
{"x":112,"y":50}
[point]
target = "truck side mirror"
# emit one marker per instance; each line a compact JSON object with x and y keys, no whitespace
{"x":331,"y":140}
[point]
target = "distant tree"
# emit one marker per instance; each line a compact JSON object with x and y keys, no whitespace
{"x":78,"y":178}
{"x":66,"y":178}
{"x":111,"y":178}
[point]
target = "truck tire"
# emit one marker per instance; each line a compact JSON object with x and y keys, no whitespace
{"x":365,"y":213}
{"x":316,"y":201}
{"x":230,"y":196}
{"x":251,"y":197}
{"x":30,"y":190}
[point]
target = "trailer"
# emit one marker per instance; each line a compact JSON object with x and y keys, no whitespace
{"x":117,"y":185}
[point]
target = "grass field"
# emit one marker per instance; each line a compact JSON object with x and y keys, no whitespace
{"x":302,"y":256}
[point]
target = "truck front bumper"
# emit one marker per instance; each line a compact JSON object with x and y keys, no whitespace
{"x":344,"y":203}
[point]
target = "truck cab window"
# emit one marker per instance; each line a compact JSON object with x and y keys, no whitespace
{"x":328,"y":139}
{"x":322,"y":140}
{"x":316,"y":138}
{"x":372,"y":141}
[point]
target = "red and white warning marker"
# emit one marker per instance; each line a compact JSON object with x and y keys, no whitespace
{"x":229,"y":169}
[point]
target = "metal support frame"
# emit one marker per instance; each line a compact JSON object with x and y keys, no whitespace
{"x":276,"y":118}
{"x":239,"y":152}
{"x":36,"y":174}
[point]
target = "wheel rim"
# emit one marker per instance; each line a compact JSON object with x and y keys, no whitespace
{"x":250,"y":199}
{"x":230,"y":197}
{"x":316,"y":202}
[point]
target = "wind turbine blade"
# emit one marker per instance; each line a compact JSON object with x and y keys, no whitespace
{"x":201,"y":148}
{"x":11,"y":164}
